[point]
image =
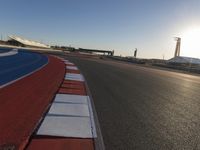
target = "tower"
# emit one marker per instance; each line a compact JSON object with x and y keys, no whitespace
{"x":135,"y":53}
{"x":178,"y":46}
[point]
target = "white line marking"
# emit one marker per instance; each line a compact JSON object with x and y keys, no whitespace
{"x":92,"y":118}
{"x":12,"y":52}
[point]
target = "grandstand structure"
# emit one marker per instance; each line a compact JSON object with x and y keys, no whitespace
{"x":19,"y":41}
{"x":184,"y":60}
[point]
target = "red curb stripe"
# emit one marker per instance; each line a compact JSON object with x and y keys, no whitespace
{"x":72,"y":71}
{"x":73,"y":82}
{"x":72,"y":91}
{"x":72,"y":86}
{"x":23,"y":103}
{"x":70,"y":65}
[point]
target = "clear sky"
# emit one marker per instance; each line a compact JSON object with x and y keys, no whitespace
{"x":120,"y":25}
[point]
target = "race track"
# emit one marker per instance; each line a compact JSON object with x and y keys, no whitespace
{"x":143,"y":108}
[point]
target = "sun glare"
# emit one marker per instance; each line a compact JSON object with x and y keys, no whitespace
{"x":190,"y":45}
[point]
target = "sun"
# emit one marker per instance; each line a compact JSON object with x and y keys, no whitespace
{"x":190,"y":45}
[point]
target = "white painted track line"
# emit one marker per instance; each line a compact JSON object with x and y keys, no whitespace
{"x":67,"y":98}
{"x":10,"y":53}
{"x":69,"y":109}
{"x":66,"y":127}
{"x":92,"y":118}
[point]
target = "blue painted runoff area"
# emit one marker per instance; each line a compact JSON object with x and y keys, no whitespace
{"x":15,"y":66}
{"x":4,"y":50}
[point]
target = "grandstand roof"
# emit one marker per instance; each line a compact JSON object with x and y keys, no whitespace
{"x":181,"y":59}
{"x":28,"y":42}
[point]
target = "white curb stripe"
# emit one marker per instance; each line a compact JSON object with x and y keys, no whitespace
{"x":74,"y":79}
{"x":73,"y":76}
{"x":72,"y":67}
{"x":66,"y":127}
{"x":67,"y":98}
{"x":69,"y":109}
{"x":68,"y":63}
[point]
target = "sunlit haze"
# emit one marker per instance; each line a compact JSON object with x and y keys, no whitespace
{"x":191,"y":42}
{"x":120,"y":25}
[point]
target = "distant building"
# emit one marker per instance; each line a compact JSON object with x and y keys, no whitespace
{"x":184,"y":60}
{"x":180,"y":60}
{"x":18,"y":41}
{"x":3,"y":42}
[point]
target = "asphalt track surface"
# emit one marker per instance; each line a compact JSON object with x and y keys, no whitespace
{"x":143,"y":108}
{"x":16,"y":66}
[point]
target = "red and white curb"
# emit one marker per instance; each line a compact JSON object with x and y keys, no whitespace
{"x":70,"y":114}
